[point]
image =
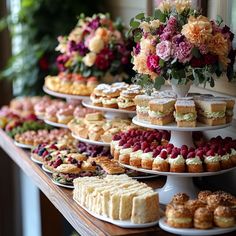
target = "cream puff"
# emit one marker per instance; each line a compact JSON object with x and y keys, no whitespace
{"x":203,"y":218}
{"x":223,"y":217}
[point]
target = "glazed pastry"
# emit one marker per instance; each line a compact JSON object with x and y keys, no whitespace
{"x":202,"y":195}
{"x":223,"y":217}
{"x":179,"y":217}
{"x":179,"y":199}
{"x":194,"y":204}
{"x":203,"y":218}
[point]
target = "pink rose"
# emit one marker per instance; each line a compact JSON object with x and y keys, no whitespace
{"x":153,"y":62}
{"x":163,"y":50}
{"x":183,"y":52}
{"x":165,"y":36}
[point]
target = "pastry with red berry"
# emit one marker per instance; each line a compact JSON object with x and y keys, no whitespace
{"x":225,"y":161}
{"x":194,"y":161}
{"x":177,"y":161}
{"x":160,"y":162}
{"x":147,"y":159}
{"x":211,"y":161}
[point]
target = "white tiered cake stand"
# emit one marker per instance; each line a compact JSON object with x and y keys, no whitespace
{"x":110,"y":113}
{"x":59,"y":125}
{"x":63,"y":95}
{"x":178,"y":182}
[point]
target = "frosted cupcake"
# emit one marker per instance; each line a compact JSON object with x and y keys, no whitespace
{"x":194,"y":162}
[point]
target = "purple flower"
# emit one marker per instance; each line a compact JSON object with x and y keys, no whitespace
{"x":137,"y":49}
{"x":80,"y":47}
{"x":159,"y":30}
{"x":94,"y":24}
{"x":166,"y":36}
{"x":171,"y":25}
{"x":226,"y":31}
{"x":177,"y":39}
{"x":183,"y":52}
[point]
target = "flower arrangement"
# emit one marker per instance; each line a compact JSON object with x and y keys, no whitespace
{"x":97,"y":46}
{"x":180,"y":45}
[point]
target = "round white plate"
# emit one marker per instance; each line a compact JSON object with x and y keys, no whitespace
{"x":174,"y":127}
{"x":88,"y":103}
{"x":36,"y":161}
{"x":21,"y":145}
{"x":63,"y":95}
{"x":63,"y":185}
{"x":154,"y":172}
{"x":192,"y":231}
{"x":55,"y":124}
{"x":46,"y":170}
{"x":120,"y":223}
{"x":145,"y":177}
{"x":90,"y":141}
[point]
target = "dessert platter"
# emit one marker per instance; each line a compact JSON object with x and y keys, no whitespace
{"x":55,"y":124}
{"x":211,"y":213}
{"x":129,"y":210}
{"x":22,"y":145}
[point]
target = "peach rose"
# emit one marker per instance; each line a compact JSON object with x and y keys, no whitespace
{"x":181,"y":5}
{"x":218,"y":45}
{"x":224,"y":60}
{"x":198,"y":30}
{"x":96,"y":44}
{"x":103,"y":33}
{"x":146,"y":45}
{"x":155,"y":24}
{"x":89,"y":59}
{"x":145,"y":26}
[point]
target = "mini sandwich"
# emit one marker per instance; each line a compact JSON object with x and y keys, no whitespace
{"x":211,"y":112}
{"x":66,"y":173}
{"x":141,"y":102}
{"x":185,"y":113}
{"x":230,"y":102}
{"x":161,"y":111}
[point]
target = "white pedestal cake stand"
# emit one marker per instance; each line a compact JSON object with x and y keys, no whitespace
{"x":111,"y":113}
{"x":179,"y":135}
{"x":178,"y":182}
{"x":99,"y":143}
{"x":59,"y":125}
{"x":64,"y":95}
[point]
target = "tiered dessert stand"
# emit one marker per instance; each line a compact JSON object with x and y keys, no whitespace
{"x":178,"y":182}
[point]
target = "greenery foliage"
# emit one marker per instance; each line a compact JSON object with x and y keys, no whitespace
{"x":37,"y":26}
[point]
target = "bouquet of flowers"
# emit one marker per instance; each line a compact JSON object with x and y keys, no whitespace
{"x":180,"y":45}
{"x":96,"y":47}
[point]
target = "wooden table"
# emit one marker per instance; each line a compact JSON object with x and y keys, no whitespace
{"x":61,"y":198}
{"x":84,"y":223}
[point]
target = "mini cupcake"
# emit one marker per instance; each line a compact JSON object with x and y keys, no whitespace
{"x":225,"y":160}
{"x":212,"y":161}
{"x":135,"y":156}
{"x":124,"y":156}
{"x":177,"y":161}
{"x":65,"y":115}
{"x":160,"y":162}
{"x":147,"y":159}
{"x":233,"y":152}
{"x":194,"y":162}
{"x":117,"y":149}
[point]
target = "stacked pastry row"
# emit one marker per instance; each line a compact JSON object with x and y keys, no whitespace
{"x":66,"y":161}
{"x":34,"y":138}
{"x":210,"y":209}
{"x":145,"y":149}
{"x":59,"y":111}
{"x":185,"y":111}
{"x":95,"y":127}
{"x":117,"y":197}
{"x":73,"y":84}
{"x":117,"y":95}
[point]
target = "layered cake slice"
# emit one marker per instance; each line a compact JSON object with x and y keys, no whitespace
{"x":161,"y":111}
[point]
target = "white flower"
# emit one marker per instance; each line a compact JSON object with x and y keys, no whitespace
{"x":145,"y":26}
{"x":155,"y":24}
{"x":96,"y":44}
{"x":89,"y":59}
{"x":163,"y":50}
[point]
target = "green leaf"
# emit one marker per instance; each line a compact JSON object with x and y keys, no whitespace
{"x":219,"y":20}
{"x":174,"y":81}
{"x":174,"y":61}
{"x":196,"y":52}
{"x":196,"y":78}
{"x":159,"y":81}
{"x":137,"y":37}
{"x":161,"y":63}
{"x":212,"y":82}
{"x":140,"y":16}
{"x":158,"y":14}
{"x":134,"y":24}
